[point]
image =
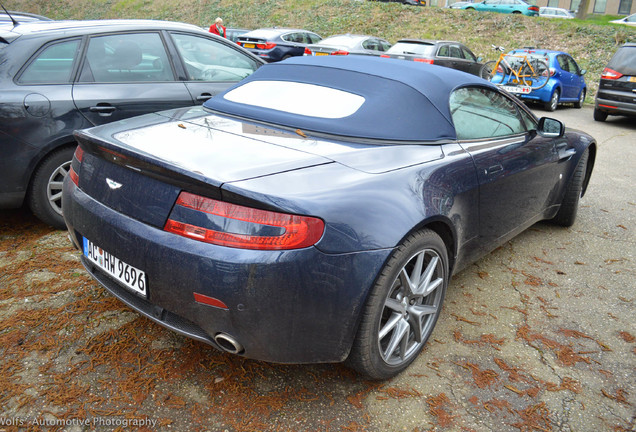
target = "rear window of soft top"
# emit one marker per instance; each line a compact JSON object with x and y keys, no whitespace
{"x":624,"y":61}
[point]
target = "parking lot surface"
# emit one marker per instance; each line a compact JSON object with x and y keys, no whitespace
{"x":537,"y":336}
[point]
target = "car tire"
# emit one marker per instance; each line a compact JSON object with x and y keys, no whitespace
{"x":402,"y":308}
{"x":570,"y":204}
{"x":45,"y":192}
{"x":599,"y":115}
{"x":553,"y":103}
{"x":581,"y":101}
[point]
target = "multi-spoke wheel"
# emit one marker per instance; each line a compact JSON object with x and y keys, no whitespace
{"x":403,"y":307}
{"x":45,"y":194}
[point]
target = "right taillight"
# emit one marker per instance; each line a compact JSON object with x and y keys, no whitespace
{"x":610,"y":74}
{"x":307,"y":52}
{"x":75,"y":165}
{"x":422,"y":60}
{"x":222,"y":223}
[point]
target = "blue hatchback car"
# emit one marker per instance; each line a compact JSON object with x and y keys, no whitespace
{"x":566,"y":83}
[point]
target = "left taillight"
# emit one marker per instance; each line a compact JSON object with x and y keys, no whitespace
{"x":265,"y":46}
{"x":75,"y":165}
{"x":225,"y":224}
{"x":423,"y":60}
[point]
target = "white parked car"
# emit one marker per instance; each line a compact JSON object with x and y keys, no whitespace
{"x":553,"y":12}
{"x":628,"y":20}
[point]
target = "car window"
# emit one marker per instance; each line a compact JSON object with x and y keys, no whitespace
{"x":132,"y":57}
{"x":468,"y":54}
{"x":563,"y":63}
{"x":209,"y":60}
{"x":313,"y":38}
{"x":52,"y":65}
{"x":573,"y":67}
{"x":624,"y":61}
{"x":384,"y":45}
{"x":484,"y":113}
{"x":371,"y":44}
{"x":444,"y":51}
{"x":455,"y":51}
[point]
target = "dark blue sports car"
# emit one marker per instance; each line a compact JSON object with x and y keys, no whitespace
{"x":316,"y":211}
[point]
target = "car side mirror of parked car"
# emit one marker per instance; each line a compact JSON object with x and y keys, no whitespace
{"x":583,"y":71}
{"x":550,"y":128}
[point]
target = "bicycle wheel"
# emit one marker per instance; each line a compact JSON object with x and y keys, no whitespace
{"x":536,"y":74}
{"x":493,"y":72}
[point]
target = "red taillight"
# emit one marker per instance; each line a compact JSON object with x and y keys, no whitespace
{"x":384,"y":56}
{"x":265,"y":46}
{"x":75,"y":164}
{"x":533,"y":8}
{"x":421,"y":60}
{"x":552,"y":72}
{"x":239,"y":43}
{"x":241,"y":227}
{"x":610,"y":74}
{"x":307,"y":51}
{"x":340,"y":52}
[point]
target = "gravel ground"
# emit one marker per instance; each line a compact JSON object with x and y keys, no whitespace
{"x":537,"y":336}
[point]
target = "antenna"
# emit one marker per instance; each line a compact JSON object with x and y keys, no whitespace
{"x":15,"y":23}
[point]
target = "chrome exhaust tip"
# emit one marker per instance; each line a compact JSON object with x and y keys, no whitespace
{"x":228,"y":344}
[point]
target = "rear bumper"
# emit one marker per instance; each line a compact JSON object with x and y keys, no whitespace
{"x":611,"y":106}
{"x":299,"y":306}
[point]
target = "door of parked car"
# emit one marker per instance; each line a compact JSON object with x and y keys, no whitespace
{"x":516,"y":169}
{"x":117,"y":76}
{"x":571,"y":77}
{"x":457,"y":57}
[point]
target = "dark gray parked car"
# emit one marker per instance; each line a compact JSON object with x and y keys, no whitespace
{"x":617,"y":89}
{"x":442,"y":53}
{"x":60,"y":76}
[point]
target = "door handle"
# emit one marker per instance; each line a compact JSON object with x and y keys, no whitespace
{"x":566,"y":153}
{"x":494,"y":169}
{"x":203,"y":97}
{"x":103,"y":109}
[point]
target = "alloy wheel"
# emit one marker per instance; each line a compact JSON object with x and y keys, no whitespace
{"x":411,"y":307}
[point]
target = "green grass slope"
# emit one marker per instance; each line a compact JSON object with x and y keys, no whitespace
{"x":591,"y":42}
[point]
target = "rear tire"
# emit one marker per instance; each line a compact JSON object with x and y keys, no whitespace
{"x":402,"y":308}
{"x":45,"y":193}
{"x":599,"y":115}
{"x":570,"y":204}
{"x":553,"y":103}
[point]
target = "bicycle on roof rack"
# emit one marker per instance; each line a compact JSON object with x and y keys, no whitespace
{"x":516,"y":72}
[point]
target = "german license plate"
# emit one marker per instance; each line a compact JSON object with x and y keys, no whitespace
{"x":321,"y":53}
{"x":632,"y":79}
{"x":129,"y":276}
{"x":249,"y":46}
{"x":517,"y":89}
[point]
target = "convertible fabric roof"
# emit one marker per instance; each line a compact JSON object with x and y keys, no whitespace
{"x":404,"y":101}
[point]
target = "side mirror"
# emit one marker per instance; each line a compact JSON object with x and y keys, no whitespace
{"x":550,"y":128}
{"x":480,"y":59}
{"x":583,"y":71}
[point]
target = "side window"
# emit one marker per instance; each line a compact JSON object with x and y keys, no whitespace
{"x":574,"y":68}
{"x":564,"y":63}
{"x":484,"y":113}
{"x":53,"y":65}
{"x":313,"y":38}
{"x":209,"y":60}
{"x":443,"y":51}
{"x":136,"y":57}
{"x":468,"y":55}
{"x":370,"y":44}
{"x":455,"y":51}
{"x":384,"y":45}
